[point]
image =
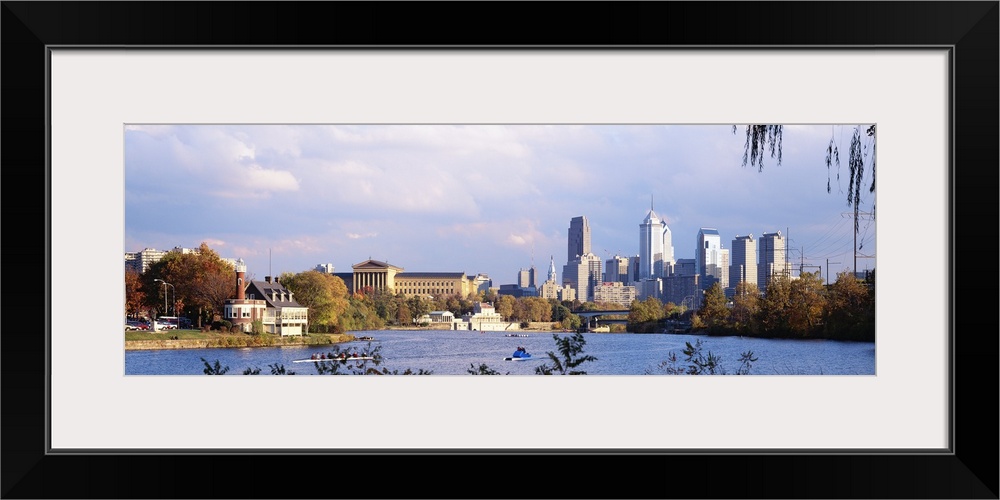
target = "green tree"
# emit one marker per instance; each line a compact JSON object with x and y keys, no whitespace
{"x":360,"y":315}
{"x":418,"y":306}
{"x":572,"y":322}
{"x":386,"y":305}
{"x":570,"y":348}
{"x":257,"y":327}
{"x":559,"y":311}
{"x":714,"y":312}
{"x":644,"y":316}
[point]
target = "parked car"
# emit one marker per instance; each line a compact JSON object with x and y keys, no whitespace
{"x":135,"y":325}
{"x":166,"y":323}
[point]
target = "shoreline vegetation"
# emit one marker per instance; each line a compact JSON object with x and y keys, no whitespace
{"x":800,"y":307}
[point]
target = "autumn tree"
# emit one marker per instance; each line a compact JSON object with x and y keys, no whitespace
{"x":746,"y":304}
{"x":135,"y":295}
{"x":489,"y":295}
{"x":850,"y":311}
{"x":202,"y":281}
{"x":324,"y":294}
{"x":505,"y":306}
{"x":403,"y":314}
{"x":774,"y":306}
{"x":541,"y":310}
{"x":521,"y":310}
{"x":671,"y":310}
{"x":805,"y":305}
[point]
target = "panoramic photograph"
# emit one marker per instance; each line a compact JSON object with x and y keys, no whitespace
{"x":499,"y":249}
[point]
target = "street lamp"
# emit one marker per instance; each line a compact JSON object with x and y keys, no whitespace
{"x":172,"y":291}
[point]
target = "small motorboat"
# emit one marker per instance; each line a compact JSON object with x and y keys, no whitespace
{"x":519,"y":355}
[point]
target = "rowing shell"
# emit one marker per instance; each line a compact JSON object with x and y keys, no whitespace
{"x":349,"y":358}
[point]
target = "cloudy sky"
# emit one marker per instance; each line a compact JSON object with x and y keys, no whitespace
{"x":475,"y":198}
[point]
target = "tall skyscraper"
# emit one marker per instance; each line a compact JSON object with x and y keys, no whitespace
{"x":773,"y":259}
{"x":711,"y":260}
{"x":526,"y":278}
{"x":743,"y":265}
{"x":583,"y":274}
{"x":656,"y":247}
{"x":579,"y":238}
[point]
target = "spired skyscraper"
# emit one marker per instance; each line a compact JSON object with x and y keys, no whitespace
{"x":578,"y":238}
{"x":552,"y":270}
{"x":656,"y":247}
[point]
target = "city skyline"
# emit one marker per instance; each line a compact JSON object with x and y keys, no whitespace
{"x":489,"y":199}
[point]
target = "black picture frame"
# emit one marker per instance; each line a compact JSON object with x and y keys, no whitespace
{"x":970,"y":28}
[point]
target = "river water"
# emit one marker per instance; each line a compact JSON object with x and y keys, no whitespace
{"x":456,"y":352}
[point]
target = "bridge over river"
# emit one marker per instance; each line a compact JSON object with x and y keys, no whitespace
{"x":592,"y":319}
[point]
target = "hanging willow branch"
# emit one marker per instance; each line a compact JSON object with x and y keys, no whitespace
{"x":759,"y":139}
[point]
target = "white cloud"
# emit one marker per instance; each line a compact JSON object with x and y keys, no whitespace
{"x":356,"y":236}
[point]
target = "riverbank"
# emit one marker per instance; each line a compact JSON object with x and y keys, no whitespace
{"x":238,"y":340}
